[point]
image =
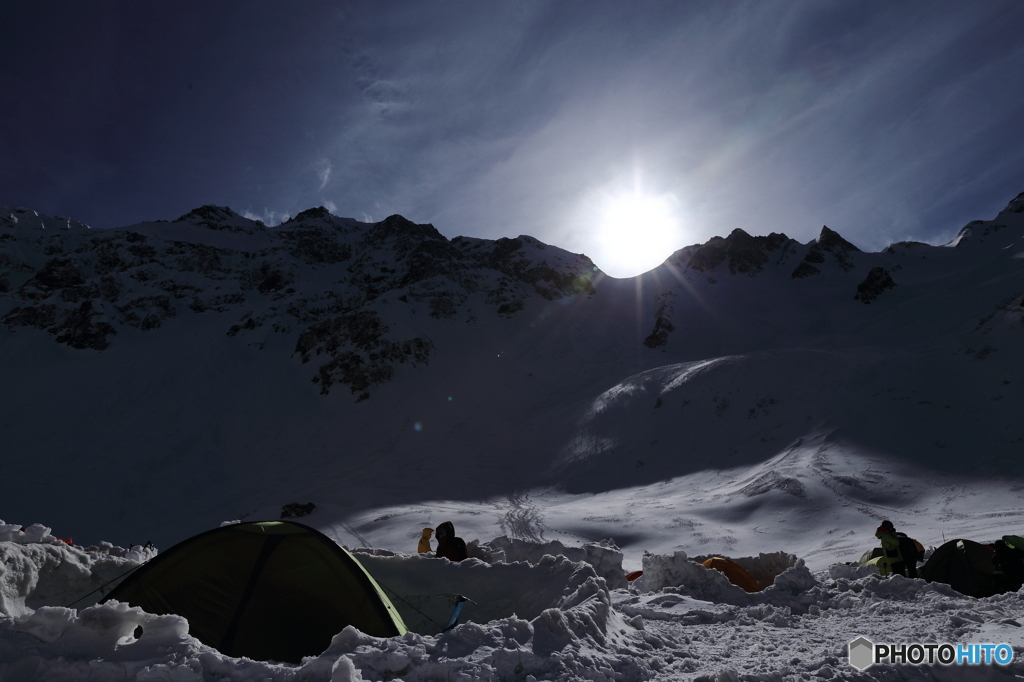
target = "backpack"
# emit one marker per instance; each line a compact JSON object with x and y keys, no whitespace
{"x":910,"y":548}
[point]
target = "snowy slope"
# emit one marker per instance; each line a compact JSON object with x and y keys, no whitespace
{"x":551,"y":618}
{"x":751,"y":396}
{"x":211,"y":368}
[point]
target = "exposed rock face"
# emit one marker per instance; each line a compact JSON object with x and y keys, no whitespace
{"x":220,"y":218}
{"x":39,"y":316}
{"x":315,"y":246}
{"x":805,"y":269}
{"x":1017,"y":205}
{"x":372,"y":354}
{"x":84,"y":286}
{"x":84,"y":328}
{"x":829,"y":242}
{"x":877,"y":281}
{"x":56,"y":274}
{"x":745,"y":254}
{"x":662,"y":325}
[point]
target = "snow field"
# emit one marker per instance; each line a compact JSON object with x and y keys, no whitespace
{"x":681,"y":622}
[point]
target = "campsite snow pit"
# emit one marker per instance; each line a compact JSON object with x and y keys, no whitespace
{"x":684,"y":575}
{"x":796,"y":628}
{"x":48,"y":572}
{"x":425,"y":589}
{"x":604,"y":556}
{"x":273,"y":590}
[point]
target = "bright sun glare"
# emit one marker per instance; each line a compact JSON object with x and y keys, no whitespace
{"x":636,"y":233}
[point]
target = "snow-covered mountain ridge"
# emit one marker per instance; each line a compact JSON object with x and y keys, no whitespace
{"x":317,"y":274}
{"x":211,"y":367}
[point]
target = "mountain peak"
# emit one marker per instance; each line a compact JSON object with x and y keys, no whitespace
{"x":316,"y":213}
{"x":1017,"y":205}
{"x":209,"y":212}
{"x":829,"y":240}
{"x":745,"y":254}
{"x":220,"y":218}
{"x":396,"y":226}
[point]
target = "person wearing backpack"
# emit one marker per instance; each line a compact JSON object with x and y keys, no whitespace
{"x":891,"y":562}
{"x":911,"y":551}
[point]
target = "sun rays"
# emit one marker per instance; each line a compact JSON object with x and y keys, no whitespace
{"x":636,"y":232}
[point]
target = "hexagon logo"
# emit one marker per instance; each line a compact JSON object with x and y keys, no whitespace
{"x":862,"y":653}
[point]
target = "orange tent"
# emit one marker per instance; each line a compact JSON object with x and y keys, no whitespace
{"x":734,"y":572}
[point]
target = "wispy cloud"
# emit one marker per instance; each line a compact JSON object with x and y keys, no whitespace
{"x":267,"y":217}
{"x":323,"y":171}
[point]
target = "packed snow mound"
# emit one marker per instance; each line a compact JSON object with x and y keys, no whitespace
{"x":36,"y":533}
{"x":425,"y":589}
{"x":576,"y":628}
{"x":852,"y":571}
{"x":38,"y":570}
{"x":776,"y":572}
{"x":765,"y":567}
{"x":604,"y":556}
{"x":563,"y":626}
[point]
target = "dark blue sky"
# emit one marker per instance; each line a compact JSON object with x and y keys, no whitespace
{"x":884,"y":120}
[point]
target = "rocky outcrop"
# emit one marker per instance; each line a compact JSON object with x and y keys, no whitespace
{"x":79,"y":327}
{"x":1017,"y":205}
{"x":805,"y":269}
{"x":877,"y":281}
{"x":43,"y":316}
{"x":221,"y":218}
{"x":147,"y":312}
{"x":828,"y":242}
{"x":359,"y":349}
{"x":743,"y":253}
{"x":84,"y":327}
{"x":662,"y":325}
{"x":268,"y":278}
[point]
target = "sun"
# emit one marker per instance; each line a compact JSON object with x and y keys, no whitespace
{"x":636,"y":232}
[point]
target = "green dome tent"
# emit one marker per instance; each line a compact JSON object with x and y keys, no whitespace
{"x":269,"y":591}
{"x":964,"y":565}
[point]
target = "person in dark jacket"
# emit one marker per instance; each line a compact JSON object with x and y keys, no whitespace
{"x":1009,"y":562}
{"x":891,"y":562}
{"x":449,"y":546}
{"x":911,"y":550}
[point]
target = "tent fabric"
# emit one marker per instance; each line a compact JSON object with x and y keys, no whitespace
{"x":871,"y":556}
{"x":734,"y":572}
{"x":268,"y":591}
{"x":964,"y":565}
{"x":1014,"y":541}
